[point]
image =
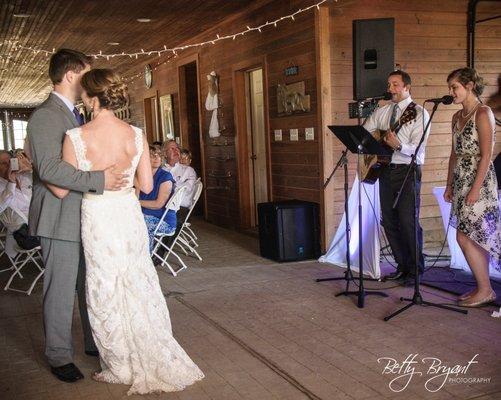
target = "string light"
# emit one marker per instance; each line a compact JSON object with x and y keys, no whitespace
{"x":233,"y":36}
{"x":164,"y":50}
{"x":132,"y":78}
{"x":174,"y":50}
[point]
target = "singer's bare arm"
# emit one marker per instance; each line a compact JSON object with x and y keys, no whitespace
{"x":452,"y":165}
{"x":484,"y":120}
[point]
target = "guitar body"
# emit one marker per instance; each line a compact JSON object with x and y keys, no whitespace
{"x":372,"y":165}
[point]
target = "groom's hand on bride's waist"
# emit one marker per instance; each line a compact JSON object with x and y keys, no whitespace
{"x":114,"y":180}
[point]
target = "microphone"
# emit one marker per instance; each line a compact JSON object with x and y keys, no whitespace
{"x":444,"y":99}
{"x":384,"y":96}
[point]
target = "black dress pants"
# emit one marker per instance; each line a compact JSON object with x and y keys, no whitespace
{"x":399,"y":223}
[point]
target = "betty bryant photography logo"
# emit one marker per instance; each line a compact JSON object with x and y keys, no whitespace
{"x":434,"y":372}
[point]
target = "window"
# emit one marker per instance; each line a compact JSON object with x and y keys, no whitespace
{"x":19,"y":128}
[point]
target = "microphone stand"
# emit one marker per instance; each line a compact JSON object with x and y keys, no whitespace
{"x":417,"y":299}
{"x":348,"y":274}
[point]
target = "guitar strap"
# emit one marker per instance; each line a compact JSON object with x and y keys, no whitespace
{"x":409,"y":108}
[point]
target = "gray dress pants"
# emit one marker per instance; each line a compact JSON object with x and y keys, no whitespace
{"x":64,"y":269}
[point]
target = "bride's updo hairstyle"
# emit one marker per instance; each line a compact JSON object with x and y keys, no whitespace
{"x":107,"y":86}
{"x":466,"y":75}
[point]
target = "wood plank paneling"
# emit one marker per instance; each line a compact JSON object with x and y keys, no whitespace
{"x":291,"y":43}
{"x":430,"y":41}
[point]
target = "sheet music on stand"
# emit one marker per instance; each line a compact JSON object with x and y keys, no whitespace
{"x":354,"y":135}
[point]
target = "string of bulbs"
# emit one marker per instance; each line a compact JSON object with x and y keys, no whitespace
{"x":159,"y":52}
{"x":176,"y":49}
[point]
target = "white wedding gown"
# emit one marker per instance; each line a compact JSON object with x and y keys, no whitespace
{"x":127,"y":310}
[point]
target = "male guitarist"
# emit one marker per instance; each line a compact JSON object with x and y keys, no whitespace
{"x":399,"y":223}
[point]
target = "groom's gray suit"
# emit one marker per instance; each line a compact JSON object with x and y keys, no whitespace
{"x":57,"y":222}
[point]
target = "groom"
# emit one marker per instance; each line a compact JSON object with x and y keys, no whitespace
{"x":57,"y":221}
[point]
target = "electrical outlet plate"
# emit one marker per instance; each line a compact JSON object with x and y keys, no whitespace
{"x":309,"y":133}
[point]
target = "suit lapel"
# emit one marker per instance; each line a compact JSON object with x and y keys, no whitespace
{"x":69,"y":115}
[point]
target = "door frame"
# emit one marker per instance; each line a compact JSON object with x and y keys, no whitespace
{"x":239,"y":71}
{"x":148,"y":118}
{"x":183,"y":121}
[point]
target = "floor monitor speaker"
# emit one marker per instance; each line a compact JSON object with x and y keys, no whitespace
{"x":289,"y":230}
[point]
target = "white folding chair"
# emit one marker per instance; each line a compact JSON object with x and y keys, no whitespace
{"x":187,"y":238}
{"x":158,"y":243}
{"x":3,"y":239}
{"x":22,"y":259}
{"x":17,"y":256}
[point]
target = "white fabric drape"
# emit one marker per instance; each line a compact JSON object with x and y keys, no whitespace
{"x":457,"y":258}
{"x":212,"y":104}
{"x":370,"y":232}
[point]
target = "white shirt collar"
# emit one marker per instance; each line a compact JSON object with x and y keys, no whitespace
{"x":402,"y":105}
{"x":65,"y":100}
{"x":175,"y":166}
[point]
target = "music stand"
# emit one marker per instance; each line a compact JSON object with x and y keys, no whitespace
{"x":359,"y":141}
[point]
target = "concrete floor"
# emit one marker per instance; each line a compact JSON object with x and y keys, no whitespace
{"x":263,"y":330}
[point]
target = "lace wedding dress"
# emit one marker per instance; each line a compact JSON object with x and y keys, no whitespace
{"x":127,"y":310}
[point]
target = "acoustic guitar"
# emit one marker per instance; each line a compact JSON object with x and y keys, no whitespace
{"x":370,"y":170}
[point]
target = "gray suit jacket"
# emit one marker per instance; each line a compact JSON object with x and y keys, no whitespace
{"x":51,"y":217}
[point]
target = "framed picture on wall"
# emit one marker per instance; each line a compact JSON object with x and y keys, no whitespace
{"x":167,"y":117}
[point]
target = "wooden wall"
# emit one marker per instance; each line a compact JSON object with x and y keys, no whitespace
{"x":294,"y":165}
{"x":430,"y":41}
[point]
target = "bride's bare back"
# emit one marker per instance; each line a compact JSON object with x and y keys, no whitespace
{"x":109,"y":141}
{"x":105,"y":144}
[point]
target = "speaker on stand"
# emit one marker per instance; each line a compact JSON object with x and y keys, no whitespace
{"x":373,"y":56}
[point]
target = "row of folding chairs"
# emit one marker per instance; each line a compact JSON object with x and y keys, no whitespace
{"x":186,"y":240}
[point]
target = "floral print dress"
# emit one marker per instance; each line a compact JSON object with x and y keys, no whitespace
{"x":481,"y":221}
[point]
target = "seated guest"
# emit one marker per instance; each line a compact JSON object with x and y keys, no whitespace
{"x":153,"y":203}
{"x":184,"y":175}
{"x":15,"y":197}
{"x":185,"y":158}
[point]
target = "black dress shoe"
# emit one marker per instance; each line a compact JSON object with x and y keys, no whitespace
{"x":394,"y":276}
{"x":67,"y":373}
{"x":92,"y":353}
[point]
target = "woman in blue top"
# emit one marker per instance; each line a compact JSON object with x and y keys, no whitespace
{"x":153,"y":203}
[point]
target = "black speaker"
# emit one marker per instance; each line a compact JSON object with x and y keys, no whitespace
{"x":289,"y":230}
{"x":373,"y":56}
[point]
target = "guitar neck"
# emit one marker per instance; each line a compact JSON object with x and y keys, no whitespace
{"x":396,"y":126}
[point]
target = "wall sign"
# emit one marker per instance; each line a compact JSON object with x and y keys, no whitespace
{"x":292,"y":70}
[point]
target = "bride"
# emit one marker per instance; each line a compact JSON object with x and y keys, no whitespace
{"x":127,"y":310}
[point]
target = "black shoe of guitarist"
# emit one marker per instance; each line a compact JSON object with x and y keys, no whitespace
{"x":395,"y":276}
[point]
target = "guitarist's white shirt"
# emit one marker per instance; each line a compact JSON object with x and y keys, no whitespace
{"x":409,"y":134}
